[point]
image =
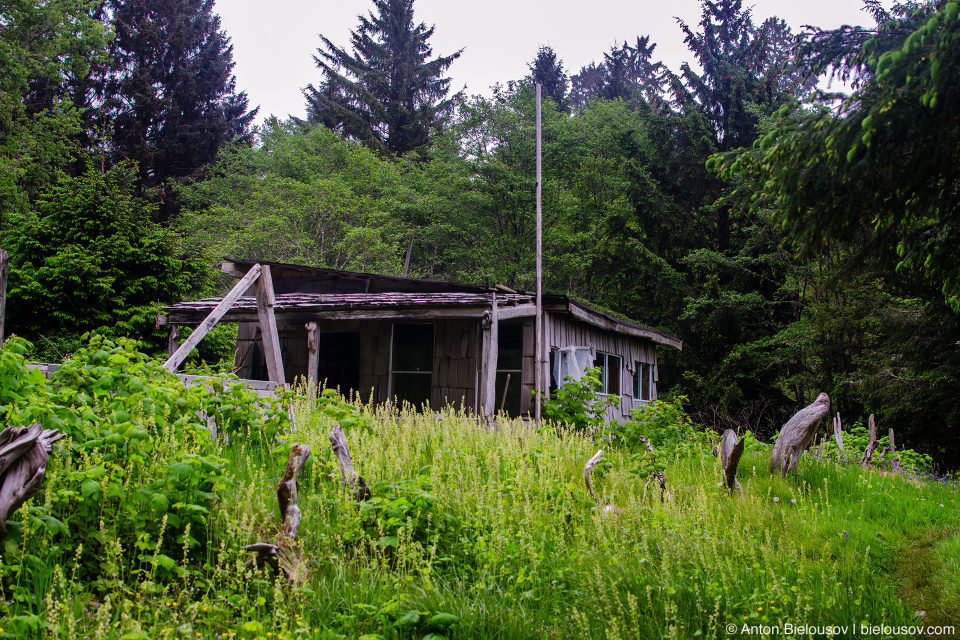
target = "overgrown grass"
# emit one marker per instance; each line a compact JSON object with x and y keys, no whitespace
{"x":494,"y":527}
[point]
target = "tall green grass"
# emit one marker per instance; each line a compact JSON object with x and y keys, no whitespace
{"x":488,"y":532}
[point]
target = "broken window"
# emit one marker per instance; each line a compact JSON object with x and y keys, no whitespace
{"x":412,"y":363}
{"x":570,"y":362}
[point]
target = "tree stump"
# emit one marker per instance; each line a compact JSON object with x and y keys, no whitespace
{"x":730,"y":451}
{"x":872,"y":444}
{"x":587,"y":469}
{"x":797,"y":434}
{"x":838,"y":432}
{"x":24,"y":453}
{"x":338,"y":439}
{"x":283,"y":555}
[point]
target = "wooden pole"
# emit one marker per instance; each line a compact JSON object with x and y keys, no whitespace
{"x":266,"y":300}
{"x":4,"y":272}
{"x":173,"y":340}
{"x":491,"y":338}
{"x":211,"y":320}
{"x":313,"y":359}
{"x":538,"y":340}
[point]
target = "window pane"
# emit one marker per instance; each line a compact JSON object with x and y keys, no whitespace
{"x":637,"y":375}
{"x":645,"y":382}
{"x":613,"y":375}
{"x":413,"y":347}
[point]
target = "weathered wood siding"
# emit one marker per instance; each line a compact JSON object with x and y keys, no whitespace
{"x":456,"y":352}
{"x":455,"y":356}
{"x":564,"y":331}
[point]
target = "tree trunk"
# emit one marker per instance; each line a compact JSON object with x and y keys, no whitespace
{"x":730,"y":451}
{"x":797,"y":434}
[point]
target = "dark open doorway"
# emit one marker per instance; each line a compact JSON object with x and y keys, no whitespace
{"x":339,"y":355}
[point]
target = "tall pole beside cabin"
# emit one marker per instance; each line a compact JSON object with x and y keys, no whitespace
{"x":538,"y":340}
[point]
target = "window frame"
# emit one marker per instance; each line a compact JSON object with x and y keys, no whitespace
{"x":605,"y":373}
{"x":643,"y":373}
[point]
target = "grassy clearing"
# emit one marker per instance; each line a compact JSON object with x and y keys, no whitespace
{"x":483,"y":533}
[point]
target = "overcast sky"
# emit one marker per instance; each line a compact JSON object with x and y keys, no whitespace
{"x":273,"y":43}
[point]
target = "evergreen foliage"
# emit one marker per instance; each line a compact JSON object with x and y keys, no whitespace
{"x":172,"y":96}
{"x":387,"y":91}
{"x":90,"y":257}
{"x":548,"y":70}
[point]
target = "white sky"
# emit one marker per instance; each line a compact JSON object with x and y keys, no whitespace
{"x":273,"y":43}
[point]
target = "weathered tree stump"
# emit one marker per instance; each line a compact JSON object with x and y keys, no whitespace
{"x":283,"y":555}
{"x":872,"y":444}
{"x":24,"y":453}
{"x":587,"y":469}
{"x":338,"y":439}
{"x":730,"y":451}
{"x":797,"y":434}
{"x":838,"y":432}
{"x":890,"y":448}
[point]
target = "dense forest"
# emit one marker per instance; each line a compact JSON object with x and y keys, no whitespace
{"x":797,"y":240}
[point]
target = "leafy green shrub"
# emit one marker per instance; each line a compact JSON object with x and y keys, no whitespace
{"x":855,"y":441}
{"x":133,"y":489}
{"x":578,"y":404}
{"x":666,"y":426}
{"x":407,"y":511}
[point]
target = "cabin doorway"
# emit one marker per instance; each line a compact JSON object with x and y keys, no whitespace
{"x":339,"y":361}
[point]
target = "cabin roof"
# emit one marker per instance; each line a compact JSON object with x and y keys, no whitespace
{"x":352,"y":295}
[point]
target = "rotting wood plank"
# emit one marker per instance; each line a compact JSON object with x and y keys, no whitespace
{"x":266,"y":300}
{"x":174,"y":361}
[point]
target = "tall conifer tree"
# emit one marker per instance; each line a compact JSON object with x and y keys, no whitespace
{"x":172,"y":96}
{"x":387,"y":91}
{"x":548,"y":71}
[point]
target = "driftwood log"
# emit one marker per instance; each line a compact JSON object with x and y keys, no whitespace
{"x":730,"y":451}
{"x":587,"y":469}
{"x":338,"y":439}
{"x":797,"y":434}
{"x":24,"y":452}
{"x":283,"y":555}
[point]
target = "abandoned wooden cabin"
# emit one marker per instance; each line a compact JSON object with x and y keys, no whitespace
{"x":426,"y":342}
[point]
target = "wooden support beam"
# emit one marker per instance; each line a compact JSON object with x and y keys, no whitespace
{"x":266,"y":300}
{"x":173,"y":342}
{"x":4,"y":273}
{"x":313,"y":359}
{"x":491,"y":337}
{"x":175,"y":360}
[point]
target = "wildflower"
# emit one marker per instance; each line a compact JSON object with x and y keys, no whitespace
{"x":793,"y":500}
{"x":776,"y":499}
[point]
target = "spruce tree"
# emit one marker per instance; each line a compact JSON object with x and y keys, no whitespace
{"x":172,"y":96}
{"x":386,"y":91}
{"x":548,"y":71}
